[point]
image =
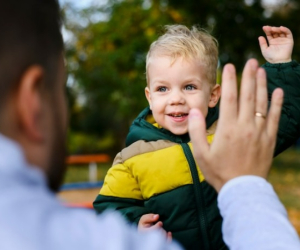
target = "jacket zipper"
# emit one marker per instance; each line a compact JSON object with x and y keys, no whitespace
{"x":199,"y":195}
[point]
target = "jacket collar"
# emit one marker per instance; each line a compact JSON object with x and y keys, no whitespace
{"x":142,"y":128}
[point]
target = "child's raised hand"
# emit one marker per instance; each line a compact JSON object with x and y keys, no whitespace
{"x":280,"y":46}
{"x":150,"y":222}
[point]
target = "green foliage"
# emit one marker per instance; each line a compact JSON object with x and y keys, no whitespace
{"x":108,"y":63}
{"x":81,"y":143}
{"x":234,"y":23}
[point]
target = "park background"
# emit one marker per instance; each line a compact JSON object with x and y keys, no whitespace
{"x":106,"y":42}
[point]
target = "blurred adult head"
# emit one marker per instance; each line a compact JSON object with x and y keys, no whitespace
{"x":32,"y":105}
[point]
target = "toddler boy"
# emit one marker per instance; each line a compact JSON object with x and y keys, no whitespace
{"x":154,"y":181}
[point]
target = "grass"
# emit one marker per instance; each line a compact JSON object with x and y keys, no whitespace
{"x":285,"y":177}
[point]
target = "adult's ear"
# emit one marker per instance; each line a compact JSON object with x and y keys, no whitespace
{"x":29,"y":103}
{"x":214,"y":96}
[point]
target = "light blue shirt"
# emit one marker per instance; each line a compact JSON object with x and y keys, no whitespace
{"x":253,"y":216}
{"x":31,"y":217}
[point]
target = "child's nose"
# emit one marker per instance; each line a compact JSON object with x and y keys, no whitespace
{"x":176,"y":98}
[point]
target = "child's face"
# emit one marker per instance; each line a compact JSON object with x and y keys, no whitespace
{"x":175,"y":89}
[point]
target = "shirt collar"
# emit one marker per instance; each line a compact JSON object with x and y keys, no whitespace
{"x":13,"y":162}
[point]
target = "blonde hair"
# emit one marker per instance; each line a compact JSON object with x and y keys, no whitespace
{"x":180,"y":41}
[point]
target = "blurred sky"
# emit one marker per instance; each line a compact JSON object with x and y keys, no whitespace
{"x":273,"y":1}
{"x":78,"y":4}
{"x":85,"y":3}
{"x":81,"y":4}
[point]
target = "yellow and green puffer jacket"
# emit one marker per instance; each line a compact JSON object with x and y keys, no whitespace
{"x":156,"y":172}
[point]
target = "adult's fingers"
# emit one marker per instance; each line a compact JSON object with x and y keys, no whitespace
{"x":261,"y":98}
{"x":248,"y":91}
{"x":228,"y":103}
{"x":197,"y":131}
{"x":274,"y":113}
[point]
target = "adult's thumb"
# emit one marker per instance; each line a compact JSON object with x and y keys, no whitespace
{"x":197,"y":131}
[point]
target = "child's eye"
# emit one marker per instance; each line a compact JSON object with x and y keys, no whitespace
{"x":162,"y":89}
{"x":190,"y":87}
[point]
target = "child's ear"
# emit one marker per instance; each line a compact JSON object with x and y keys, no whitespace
{"x":214,"y":96}
{"x":148,"y":96}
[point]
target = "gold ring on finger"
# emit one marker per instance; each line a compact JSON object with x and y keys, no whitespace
{"x":260,"y":115}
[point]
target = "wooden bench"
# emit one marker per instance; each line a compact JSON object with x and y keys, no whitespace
{"x":91,"y":160}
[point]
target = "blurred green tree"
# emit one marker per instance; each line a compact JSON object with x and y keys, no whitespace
{"x":107,"y":62}
{"x":235,"y":23}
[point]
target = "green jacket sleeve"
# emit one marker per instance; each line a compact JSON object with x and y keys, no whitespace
{"x":287,"y":77}
{"x":131,"y":209}
{"x":121,"y":192}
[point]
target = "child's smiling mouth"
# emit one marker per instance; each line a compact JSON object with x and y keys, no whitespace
{"x":178,"y":116}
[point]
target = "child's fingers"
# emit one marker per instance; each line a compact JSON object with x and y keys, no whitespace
{"x":147,"y":222}
{"x":286,"y":31}
{"x":274,"y":32}
{"x":268,"y":32}
{"x":169,"y":236}
{"x":275,"y":29}
{"x":262,"y":43}
{"x":149,"y":218}
{"x":281,"y":31}
{"x":157,"y":225}
{"x":274,"y":112}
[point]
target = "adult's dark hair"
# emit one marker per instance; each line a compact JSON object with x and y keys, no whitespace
{"x":29,"y":35}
